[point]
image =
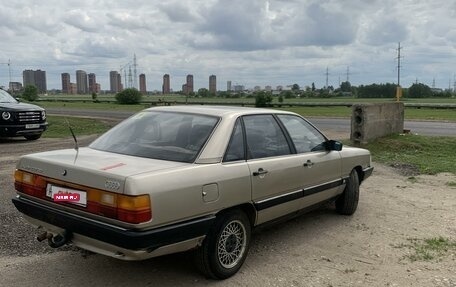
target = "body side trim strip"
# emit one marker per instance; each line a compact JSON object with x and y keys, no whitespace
{"x":276,"y":200}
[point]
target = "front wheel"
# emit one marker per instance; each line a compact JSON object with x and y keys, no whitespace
{"x":226,"y":246}
{"x":347,"y":202}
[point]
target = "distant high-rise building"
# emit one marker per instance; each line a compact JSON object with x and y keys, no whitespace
{"x":115,"y":82}
{"x":166,"y":88}
{"x":142,"y":83}
{"x":92,"y":83}
{"x":40,"y":81}
{"x":28,"y":77}
{"x":81,"y":82}
{"x":73,"y":89}
{"x":36,"y":78}
{"x":212,"y":84}
{"x":239,"y":88}
{"x":15,"y":86}
{"x":189,"y":85}
{"x":66,"y":83}
{"x":228,"y":86}
{"x":184,"y":89}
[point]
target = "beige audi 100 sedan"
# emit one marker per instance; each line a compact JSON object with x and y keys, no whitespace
{"x":171,"y":179}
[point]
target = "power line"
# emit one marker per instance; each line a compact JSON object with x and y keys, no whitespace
{"x":327,"y":75}
{"x":348,"y":73}
{"x":399,"y":64}
{"x":134,"y":72}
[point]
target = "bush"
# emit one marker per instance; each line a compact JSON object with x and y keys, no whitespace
{"x":130,"y":96}
{"x":30,"y":93}
{"x":263,"y":99}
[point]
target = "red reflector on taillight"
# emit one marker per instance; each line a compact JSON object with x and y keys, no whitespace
{"x":30,"y":189}
{"x":134,"y":216}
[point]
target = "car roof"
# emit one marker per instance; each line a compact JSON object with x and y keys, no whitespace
{"x":220,"y":111}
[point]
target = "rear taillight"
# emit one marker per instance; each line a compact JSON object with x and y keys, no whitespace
{"x":126,"y":208}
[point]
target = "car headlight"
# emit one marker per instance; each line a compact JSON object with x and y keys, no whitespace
{"x":6,"y":116}
{"x":43,"y":115}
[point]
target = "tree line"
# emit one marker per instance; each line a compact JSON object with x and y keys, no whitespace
{"x":262,"y":98}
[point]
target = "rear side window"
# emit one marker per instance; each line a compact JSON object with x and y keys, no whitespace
{"x":264,"y":137}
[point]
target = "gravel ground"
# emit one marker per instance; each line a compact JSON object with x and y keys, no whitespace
{"x":317,"y":249}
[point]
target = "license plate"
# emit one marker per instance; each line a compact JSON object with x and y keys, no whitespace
{"x":32,"y":126}
{"x":63,"y":194}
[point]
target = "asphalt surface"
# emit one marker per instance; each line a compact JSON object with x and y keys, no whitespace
{"x":339,"y":125}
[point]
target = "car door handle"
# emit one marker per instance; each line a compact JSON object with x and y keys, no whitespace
{"x":308,"y":163}
{"x":260,"y":172}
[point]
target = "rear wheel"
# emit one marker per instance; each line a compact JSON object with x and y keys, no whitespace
{"x":225,"y":247}
{"x":32,"y":137}
{"x":347,"y":202}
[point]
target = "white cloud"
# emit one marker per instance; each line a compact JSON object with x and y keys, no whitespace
{"x":275,"y":42}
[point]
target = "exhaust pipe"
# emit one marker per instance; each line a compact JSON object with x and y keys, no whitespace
{"x":60,"y":239}
{"x":55,"y":241}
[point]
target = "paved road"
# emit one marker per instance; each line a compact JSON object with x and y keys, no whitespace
{"x":338,"y":125}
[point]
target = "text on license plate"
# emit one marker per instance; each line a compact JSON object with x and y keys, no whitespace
{"x":63,"y":194}
{"x":32,"y":126}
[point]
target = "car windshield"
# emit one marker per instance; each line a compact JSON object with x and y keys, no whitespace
{"x":6,"y":98}
{"x":159,"y":135}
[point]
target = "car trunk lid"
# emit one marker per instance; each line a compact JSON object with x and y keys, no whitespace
{"x":92,"y":168}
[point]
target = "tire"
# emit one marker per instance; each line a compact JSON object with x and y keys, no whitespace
{"x":347,"y":202}
{"x":32,"y":137}
{"x":225,"y":247}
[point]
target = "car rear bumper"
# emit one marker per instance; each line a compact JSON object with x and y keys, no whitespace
{"x":113,"y":240}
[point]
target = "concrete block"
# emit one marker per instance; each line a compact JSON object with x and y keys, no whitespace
{"x":371,"y":121}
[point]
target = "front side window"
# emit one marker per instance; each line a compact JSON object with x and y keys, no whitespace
{"x":264,"y":137}
{"x":159,"y":135}
{"x":304,"y":136}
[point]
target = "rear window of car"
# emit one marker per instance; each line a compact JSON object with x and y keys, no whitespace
{"x":159,"y":135}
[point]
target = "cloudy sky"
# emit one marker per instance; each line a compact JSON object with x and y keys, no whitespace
{"x":249,"y":42}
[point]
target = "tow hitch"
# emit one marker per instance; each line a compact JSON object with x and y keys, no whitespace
{"x":55,"y":241}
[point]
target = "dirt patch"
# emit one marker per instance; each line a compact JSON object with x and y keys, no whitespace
{"x":406,"y":169}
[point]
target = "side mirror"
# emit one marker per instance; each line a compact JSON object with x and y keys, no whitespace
{"x":334,"y":145}
{"x":18,"y":99}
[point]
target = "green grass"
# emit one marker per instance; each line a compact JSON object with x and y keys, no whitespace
{"x":58,"y":127}
{"x":181,"y":98}
{"x":451,"y":183}
{"x":430,"y":155}
{"x":91,"y":105}
{"x":344,"y":112}
{"x":430,"y":114}
{"x":430,"y":249}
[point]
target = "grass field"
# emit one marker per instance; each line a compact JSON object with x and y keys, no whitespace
{"x":182,"y":99}
{"x":429,"y":155}
{"x":337,"y":111}
{"x":58,"y":127}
